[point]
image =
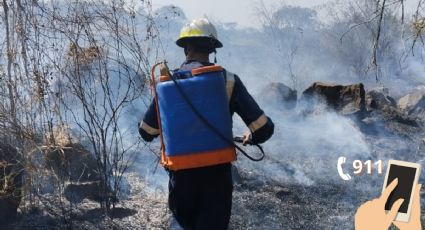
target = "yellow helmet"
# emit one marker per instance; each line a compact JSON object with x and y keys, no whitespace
{"x":198,"y":28}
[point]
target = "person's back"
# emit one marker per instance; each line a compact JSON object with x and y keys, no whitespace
{"x":201,"y":197}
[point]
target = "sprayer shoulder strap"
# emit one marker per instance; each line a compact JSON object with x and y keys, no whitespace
{"x":229,"y":79}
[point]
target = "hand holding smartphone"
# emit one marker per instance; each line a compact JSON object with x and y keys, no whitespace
{"x":399,"y":203}
{"x":407,"y":174}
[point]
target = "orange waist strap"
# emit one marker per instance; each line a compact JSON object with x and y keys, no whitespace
{"x":197,"y":160}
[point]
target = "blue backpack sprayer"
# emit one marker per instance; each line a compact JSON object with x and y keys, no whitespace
{"x":194,"y":119}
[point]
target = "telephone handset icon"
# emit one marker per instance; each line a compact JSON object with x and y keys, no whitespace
{"x":344,"y":176}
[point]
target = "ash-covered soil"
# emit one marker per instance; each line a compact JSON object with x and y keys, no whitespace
{"x":289,"y":190}
{"x":256,"y":205}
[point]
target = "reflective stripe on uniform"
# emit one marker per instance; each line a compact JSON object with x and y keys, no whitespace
{"x":230,"y":84}
{"x":257,"y":124}
{"x":149,"y":129}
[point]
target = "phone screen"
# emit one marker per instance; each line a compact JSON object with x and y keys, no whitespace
{"x":406,"y":177}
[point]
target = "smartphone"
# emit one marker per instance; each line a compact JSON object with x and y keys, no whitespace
{"x":408,"y":176}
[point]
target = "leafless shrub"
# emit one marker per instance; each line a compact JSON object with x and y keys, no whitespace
{"x":79,"y":64}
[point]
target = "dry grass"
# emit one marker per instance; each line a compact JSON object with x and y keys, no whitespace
{"x":418,"y":27}
{"x":84,"y":55}
{"x":60,"y":136}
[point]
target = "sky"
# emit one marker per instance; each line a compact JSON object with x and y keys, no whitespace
{"x":242,"y":12}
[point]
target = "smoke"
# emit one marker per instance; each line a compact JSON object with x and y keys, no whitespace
{"x":302,"y":148}
{"x":296,"y":52}
{"x":305,"y":148}
{"x":294,"y":48}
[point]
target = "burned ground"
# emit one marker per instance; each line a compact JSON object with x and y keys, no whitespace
{"x":288,"y":190}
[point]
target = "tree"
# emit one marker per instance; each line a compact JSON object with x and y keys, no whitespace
{"x":80,"y":64}
{"x":286,"y":27}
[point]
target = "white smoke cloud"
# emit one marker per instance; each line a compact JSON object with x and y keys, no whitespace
{"x":305,"y":149}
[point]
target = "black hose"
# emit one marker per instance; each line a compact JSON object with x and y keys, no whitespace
{"x":210,"y":126}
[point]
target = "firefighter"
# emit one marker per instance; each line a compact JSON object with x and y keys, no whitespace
{"x":201,"y":197}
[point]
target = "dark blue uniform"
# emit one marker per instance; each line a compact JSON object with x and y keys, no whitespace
{"x":201,"y":198}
